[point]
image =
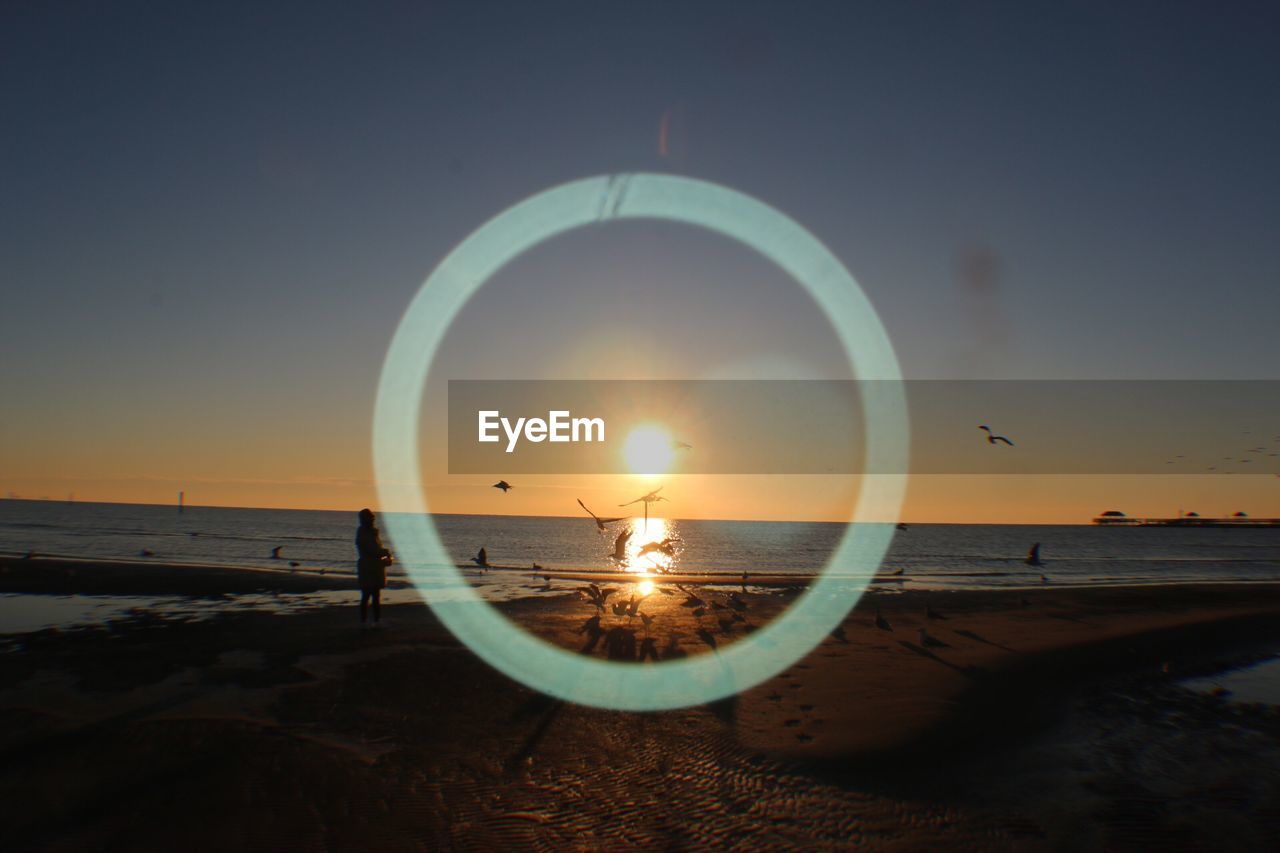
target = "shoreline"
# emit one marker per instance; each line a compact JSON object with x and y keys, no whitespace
{"x":376,"y":731}
{"x":60,"y":575}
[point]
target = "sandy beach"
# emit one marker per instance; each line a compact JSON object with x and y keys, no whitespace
{"x":1048,"y":719}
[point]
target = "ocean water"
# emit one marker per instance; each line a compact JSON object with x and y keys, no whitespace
{"x":931,"y":556}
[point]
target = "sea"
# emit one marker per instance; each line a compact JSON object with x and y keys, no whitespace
{"x":922,"y":556}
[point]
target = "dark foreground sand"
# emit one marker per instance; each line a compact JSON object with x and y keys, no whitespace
{"x":1053,"y":723}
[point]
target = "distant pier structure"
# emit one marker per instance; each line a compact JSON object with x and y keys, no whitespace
{"x":1115,"y":518}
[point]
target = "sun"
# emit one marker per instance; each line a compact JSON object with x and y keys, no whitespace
{"x":648,"y":450}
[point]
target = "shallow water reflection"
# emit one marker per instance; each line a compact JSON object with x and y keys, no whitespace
{"x":1259,"y":682}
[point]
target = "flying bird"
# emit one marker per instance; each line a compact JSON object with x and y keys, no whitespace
{"x":620,"y":545}
{"x":652,"y":497}
{"x":600,"y":522}
{"x":681,"y":445}
{"x":992,"y":438}
{"x":1033,"y":556}
{"x":648,"y":499}
{"x":504,"y":485}
{"x":275,"y":552}
{"x":666,"y":546}
{"x":481,"y":559}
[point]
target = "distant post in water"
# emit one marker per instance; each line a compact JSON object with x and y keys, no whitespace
{"x":181,"y":498}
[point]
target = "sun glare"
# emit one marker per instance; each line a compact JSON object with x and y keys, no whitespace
{"x":653,"y":547}
{"x":648,"y":450}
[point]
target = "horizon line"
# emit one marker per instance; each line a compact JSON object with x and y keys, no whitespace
{"x":908,"y":522}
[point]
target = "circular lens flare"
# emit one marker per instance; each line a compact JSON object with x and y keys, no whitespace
{"x":697,"y":679}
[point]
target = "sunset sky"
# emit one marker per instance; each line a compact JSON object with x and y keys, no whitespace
{"x":213,"y":218}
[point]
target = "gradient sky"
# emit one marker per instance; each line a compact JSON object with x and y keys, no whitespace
{"x":212,"y":218}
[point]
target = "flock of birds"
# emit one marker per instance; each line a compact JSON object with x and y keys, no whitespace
{"x":621,"y":641}
{"x":713,"y":614}
{"x":1255,"y":456}
{"x":1248,"y":456}
{"x":619,"y":554}
{"x":726,"y":612}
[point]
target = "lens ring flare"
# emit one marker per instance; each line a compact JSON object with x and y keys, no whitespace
{"x":535,"y":662}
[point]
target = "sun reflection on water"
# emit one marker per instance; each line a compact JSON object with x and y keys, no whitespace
{"x":654,"y":547}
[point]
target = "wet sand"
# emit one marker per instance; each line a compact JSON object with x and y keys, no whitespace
{"x":1049,"y":723}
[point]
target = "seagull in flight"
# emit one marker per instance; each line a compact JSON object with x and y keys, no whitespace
{"x":600,"y":522}
{"x":620,"y":545}
{"x":275,"y":552}
{"x":504,"y":485}
{"x":648,"y":499}
{"x":666,"y":546}
{"x":992,"y":438}
{"x":481,"y":559}
{"x":652,"y":497}
{"x":681,"y":445}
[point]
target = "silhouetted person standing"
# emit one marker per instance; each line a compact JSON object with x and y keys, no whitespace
{"x":371,"y":566}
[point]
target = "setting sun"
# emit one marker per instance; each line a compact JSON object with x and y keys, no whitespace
{"x":648,"y":450}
